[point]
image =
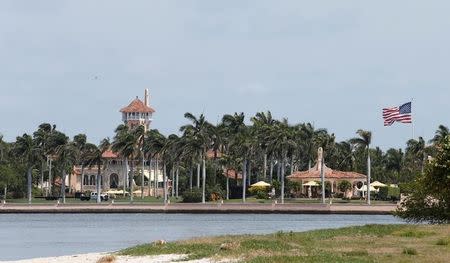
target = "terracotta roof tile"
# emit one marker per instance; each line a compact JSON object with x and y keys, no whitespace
{"x":109,"y":154}
{"x":137,"y":106}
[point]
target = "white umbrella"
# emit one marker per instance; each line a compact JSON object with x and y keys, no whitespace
{"x":364,"y":188}
{"x":377,"y":184}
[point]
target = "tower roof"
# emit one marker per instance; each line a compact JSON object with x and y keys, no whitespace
{"x":137,"y":106}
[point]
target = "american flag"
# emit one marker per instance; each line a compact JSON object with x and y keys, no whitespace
{"x":401,"y":114}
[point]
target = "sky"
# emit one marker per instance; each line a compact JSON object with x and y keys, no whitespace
{"x":335,"y":64}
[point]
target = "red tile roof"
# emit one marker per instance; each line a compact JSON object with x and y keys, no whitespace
{"x":109,"y":154}
{"x":328,"y":174}
{"x":137,"y":106}
{"x":230,"y":173}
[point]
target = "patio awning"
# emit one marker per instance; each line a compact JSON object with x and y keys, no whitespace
{"x":311,"y":183}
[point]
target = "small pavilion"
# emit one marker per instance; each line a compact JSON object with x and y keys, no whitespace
{"x":334,"y":177}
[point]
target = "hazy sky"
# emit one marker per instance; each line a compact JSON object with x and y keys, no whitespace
{"x":333,"y":63}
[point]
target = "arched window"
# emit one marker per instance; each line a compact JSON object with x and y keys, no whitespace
{"x":86,"y":180}
{"x":92,"y":180}
{"x":113,"y":181}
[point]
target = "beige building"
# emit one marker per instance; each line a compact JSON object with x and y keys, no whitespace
{"x":334,"y":177}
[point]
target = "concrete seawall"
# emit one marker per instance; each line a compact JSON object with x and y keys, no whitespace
{"x":203,"y":208}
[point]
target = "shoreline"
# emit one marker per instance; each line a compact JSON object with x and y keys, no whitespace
{"x":94,"y":257}
{"x":201,"y":209}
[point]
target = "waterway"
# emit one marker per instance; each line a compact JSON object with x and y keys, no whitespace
{"x":24,"y":236}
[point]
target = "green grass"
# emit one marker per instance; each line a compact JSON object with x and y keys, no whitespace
{"x":370,"y":243}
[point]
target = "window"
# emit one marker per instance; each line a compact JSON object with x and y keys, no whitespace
{"x":92,"y":180}
{"x":86,"y":180}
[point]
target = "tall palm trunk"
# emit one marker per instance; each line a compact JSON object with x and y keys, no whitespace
{"x":131,"y":180}
{"x":271,"y":170}
{"x":204,"y":180}
{"x":198,"y":175}
{"x":265,"y":166}
{"x":278,"y":171}
{"x":368,"y":174}
{"x":190,"y":178}
{"x":42,"y":175}
{"x":29,"y":179}
{"x":282,"y":180}
{"x":5,"y":191}
{"x":50,"y":178}
{"x":249,"y":173}
{"x":150,"y":177}
{"x":172,"y":175}
{"x":165,"y":184}
{"x":244,"y":178}
{"x":82,"y":178}
{"x":156,"y":177}
{"x":125,"y":176}
{"x":177,"y":177}
{"x":70,"y":182}
{"x":228,"y":188}
{"x":99,"y":200}
{"x":142,"y":177}
{"x":63,"y":187}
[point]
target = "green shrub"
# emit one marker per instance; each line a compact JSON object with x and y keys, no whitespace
{"x":388,"y":193}
{"x":194,"y":196}
{"x":262,"y":195}
{"x":344,"y":186}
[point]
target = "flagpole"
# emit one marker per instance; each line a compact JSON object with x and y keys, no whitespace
{"x":412,"y":120}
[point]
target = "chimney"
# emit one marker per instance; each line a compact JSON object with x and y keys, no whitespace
{"x":146,"y":97}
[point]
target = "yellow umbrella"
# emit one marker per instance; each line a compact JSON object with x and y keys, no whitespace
{"x":260,"y":184}
{"x":311,"y":183}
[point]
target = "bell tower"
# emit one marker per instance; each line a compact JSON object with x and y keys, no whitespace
{"x":138,"y":112}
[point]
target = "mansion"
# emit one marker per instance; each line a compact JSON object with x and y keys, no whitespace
{"x":114,"y":175}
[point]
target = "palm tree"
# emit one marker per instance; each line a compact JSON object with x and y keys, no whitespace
{"x":67,"y":157}
{"x":200,"y":129}
{"x":262,"y":123}
{"x":418,"y":149}
{"x":238,"y":143}
{"x":41,"y":136}
{"x":94,"y":156}
{"x":125,"y":144}
{"x":363,"y":141}
{"x":282,"y":140}
{"x":27,"y":150}
{"x":441,"y":133}
{"x":79,"y":141}
{"x":154,"y":145}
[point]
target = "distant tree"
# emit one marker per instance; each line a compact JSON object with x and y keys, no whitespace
{"x":429,"y":197}
{"x":363,"y":141}
{"x":441,"y":133}
{"x":344,"y":186}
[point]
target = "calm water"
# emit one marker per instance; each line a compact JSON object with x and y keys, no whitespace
{"x":42,"y":235}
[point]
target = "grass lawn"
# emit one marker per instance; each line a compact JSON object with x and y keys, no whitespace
{"x":371,"y":243}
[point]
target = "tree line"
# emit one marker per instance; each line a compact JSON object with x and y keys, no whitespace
{"x":196,"y":158}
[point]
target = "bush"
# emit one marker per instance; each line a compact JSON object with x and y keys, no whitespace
{"x":388,"y":193}
{"x":194,"y":196}
{"x":344,"y":186}
{"x":262,"y":195}
{"x":429,"y":196}
{"x":214,"y":193}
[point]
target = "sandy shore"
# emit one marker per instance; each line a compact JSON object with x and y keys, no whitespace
{"x":93,"y":257}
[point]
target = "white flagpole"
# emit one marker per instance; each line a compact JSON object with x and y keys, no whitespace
{"x":412,"y":120}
